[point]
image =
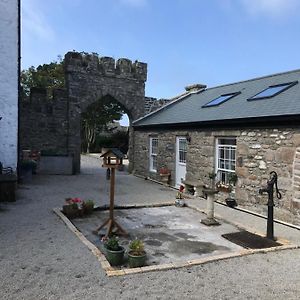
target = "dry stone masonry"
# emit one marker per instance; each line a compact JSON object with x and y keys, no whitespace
{"x":258,"y":152}
{"x":54,"y":125}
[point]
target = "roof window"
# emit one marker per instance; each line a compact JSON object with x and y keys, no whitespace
{"x":273,"y":90}
{"x":221,"y":99}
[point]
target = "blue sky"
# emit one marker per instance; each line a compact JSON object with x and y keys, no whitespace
{"x":183,"y":41}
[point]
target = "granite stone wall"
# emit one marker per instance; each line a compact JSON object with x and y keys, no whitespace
{"x":44,"y":122}
{"x":89,"y":78}
{"x":53,"y":125}
{"x":259,"y":151}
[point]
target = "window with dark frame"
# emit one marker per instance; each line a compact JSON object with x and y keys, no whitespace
{"x":221,"y":99}
{"x":273,"y":90}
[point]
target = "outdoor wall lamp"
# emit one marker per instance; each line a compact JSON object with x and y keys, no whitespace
{"x":188,"y":137}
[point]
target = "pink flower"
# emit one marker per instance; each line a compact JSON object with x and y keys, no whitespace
{"x":76,"y":200}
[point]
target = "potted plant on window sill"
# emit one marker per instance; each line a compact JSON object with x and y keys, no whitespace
{"x":225,"y":188}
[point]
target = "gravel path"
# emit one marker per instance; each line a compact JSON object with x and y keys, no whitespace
{"x":41,"y":259}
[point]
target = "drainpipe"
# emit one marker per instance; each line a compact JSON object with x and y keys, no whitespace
{"x":19,"y":84}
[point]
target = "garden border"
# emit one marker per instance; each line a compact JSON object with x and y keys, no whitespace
{"x":110,"y":271}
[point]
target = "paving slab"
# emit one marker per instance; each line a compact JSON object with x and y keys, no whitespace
{"x":170,"y":234}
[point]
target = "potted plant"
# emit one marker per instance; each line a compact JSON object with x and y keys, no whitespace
{"x":230,"y":201}
{"x":165,"y":175}
{"x":27,"y":168}
{"x":72,"y":207}
{"x":136,"y":254}
{"x":179,"y":201}
{"x":221,"y":187}
{"x":114,"y":251}
{"x":87,"y":207}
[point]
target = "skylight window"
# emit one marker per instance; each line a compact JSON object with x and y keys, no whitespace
{"x":221,"y":99}
{"x":273,"y":90}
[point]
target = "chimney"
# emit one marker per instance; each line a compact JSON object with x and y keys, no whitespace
{"x":195,"y":88}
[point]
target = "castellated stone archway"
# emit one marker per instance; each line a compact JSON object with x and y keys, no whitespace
{"x":53,"y":125}
{"x":89,"y":78}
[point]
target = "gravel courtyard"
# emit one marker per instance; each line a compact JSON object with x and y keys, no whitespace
{"x":41,"y":259}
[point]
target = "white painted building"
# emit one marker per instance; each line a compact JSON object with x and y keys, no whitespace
{"x":9,"y":76}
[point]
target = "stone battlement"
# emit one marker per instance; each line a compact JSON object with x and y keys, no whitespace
{"x":108,"y":66}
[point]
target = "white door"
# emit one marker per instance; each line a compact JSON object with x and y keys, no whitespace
{"x":181,"y":148}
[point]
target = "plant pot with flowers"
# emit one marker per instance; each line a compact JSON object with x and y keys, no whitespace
{"x":114,"y":251}
{"x":165,"y":175}
{"x":72,"y":207}
{"x":136,"y":255}
{"x":179,"y":201}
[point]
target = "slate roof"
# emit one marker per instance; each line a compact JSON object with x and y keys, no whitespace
{"x":188,"y":109}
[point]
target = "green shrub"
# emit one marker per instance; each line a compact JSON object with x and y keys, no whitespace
{"x":136,"y":247}
{"x":113,"y":244}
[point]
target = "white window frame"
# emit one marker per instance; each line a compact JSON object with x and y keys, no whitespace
{"x":224,"y":172}
{"x":153,"y":154}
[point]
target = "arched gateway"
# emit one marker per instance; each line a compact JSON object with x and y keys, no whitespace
{"x":89,"y":78}
{"x":53,"y":125}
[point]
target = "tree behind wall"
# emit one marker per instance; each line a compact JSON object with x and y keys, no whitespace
{"x":97,"y":115}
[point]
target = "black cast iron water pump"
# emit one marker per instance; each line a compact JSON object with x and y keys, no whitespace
{"x":270,"y":190}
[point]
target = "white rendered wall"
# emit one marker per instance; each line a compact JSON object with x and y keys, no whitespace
{"x":8,"y":82}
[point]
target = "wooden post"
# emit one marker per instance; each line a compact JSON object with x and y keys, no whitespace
{"x":112,"y":193}
{"x":111,"y":222}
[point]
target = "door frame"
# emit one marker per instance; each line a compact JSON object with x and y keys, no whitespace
{"x":177,"y":163}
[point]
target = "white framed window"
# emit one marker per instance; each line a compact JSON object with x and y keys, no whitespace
{"x":225,"y":158}
{"x":153,"y":154}
{"x":182,"y":149}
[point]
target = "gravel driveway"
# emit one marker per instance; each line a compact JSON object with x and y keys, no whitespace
{"x":41,"y":259}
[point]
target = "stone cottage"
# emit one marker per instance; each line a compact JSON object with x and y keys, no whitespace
{"x":9,"y":76}
{"x":247,"y":128}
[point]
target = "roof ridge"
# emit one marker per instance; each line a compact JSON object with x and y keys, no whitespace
{"x":253,"y":79}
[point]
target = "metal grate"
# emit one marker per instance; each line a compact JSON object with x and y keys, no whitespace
{"x":250,"y":240}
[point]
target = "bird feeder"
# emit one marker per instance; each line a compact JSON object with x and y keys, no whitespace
{"x":112,"y":159}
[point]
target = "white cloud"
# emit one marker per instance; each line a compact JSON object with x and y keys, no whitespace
{"x":34,"y":22}
{"x":134,"y":3}
{"x":271,"y":7}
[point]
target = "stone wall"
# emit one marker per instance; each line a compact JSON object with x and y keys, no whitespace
{"x":153,"y":104}
{"x":54,"y":125}
{"x":259,"y":151}
{"x":44,"y":122}
{"x":89,"y":78}
{"x":9,"y":45}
